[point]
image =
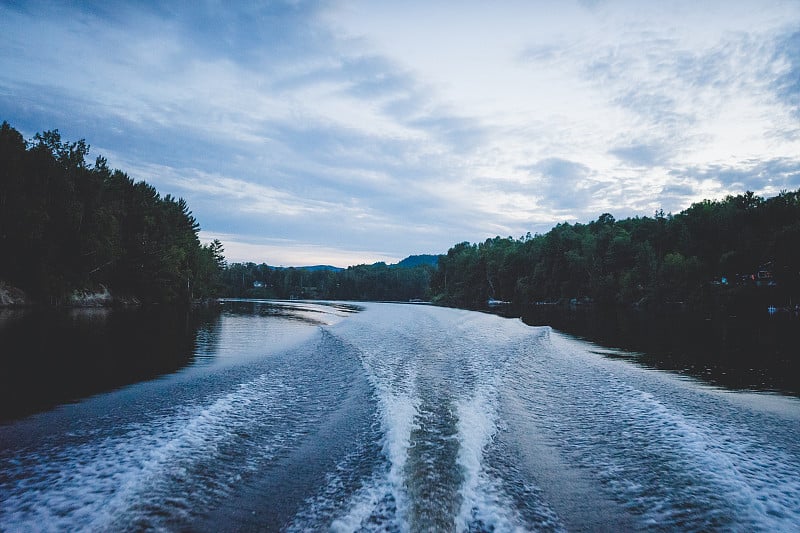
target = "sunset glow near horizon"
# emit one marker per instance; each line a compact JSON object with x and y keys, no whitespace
{"x":352,"y":132}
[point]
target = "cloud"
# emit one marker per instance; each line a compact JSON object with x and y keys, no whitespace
{"x":640,"y":155}
{"x":764,"y":177}
{"x":787,"y":84}
{"x":561,"y":170}
{"x":678,"y":194}
{"x":393,"y":129}
{"x":541,"y":53}
{"x":550,"y":189}
{"x":564,"y":184}
{"x":682,"y":96}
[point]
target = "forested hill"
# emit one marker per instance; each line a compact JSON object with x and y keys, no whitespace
{"x":417,"y":260}
{"x":68,"y":225}
{"x":714,"y":253}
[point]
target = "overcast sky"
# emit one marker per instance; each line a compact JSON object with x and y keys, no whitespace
{"x":358,"y":131}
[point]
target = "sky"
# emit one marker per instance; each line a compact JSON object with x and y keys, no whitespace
{"x":349,"y":132}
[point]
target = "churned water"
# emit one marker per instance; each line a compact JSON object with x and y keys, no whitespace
{"x":309,"y":417}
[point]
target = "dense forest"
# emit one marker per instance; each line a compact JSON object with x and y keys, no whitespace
{"x":67,"y":225}
{"x":407,"y":280}
{"x":715,"y":253}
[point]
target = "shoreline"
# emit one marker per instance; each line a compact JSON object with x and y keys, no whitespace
{"x":101,"y":297}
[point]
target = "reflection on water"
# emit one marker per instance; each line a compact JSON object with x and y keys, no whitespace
{"x":756,"y":352}
{"x":50,"y":356}
{"x":313,"y":313}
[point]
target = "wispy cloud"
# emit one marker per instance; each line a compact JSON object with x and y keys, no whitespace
{"x":767,"y":176}
{"x":787,"y":82}
{"x":642,"y":155}
{"x":386,"y":129}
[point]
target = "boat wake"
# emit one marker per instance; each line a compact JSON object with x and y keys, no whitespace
{"x":406,"y":418}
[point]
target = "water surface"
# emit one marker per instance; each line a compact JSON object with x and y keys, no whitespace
{"x":306,"y":416}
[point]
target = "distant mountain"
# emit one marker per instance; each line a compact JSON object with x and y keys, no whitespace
{"x":409,"y":262}
{"x":416,"y":260}
{"x":313,"y":268}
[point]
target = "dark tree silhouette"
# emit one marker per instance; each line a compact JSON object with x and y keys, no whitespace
{"x":67,"y":225}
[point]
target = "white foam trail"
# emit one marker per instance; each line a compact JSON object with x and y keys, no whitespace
{"x":626,"y":423}
{"x":392,"y":375}
{"x":398,"y":413}
{"x":382,"y":499}
{"x":95,"y":485}
{"x":485,"y":503}
{"x":472,"y":389}
{"x":482,"y":500}
{"x":364,"y":505}
{"x":367,"y":508}
{"x":457,"y":359}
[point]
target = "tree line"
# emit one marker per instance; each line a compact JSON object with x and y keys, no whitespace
{"x":376,"y":282}
{"x":715,"y":254}
{"x":68,"y":225}
{"x":712,"y":253}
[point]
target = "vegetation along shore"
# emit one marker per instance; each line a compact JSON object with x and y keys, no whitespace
{"x":77,"y":233}
{"x":84,"y":234}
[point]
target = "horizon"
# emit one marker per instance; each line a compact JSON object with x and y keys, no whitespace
{"x":474,"y":242}
{"x":349,"y":132}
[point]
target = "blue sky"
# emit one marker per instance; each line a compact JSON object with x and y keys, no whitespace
{"x":357,"y":131}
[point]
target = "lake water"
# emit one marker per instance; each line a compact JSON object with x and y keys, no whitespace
{"x":382,"y":417}
{"x":747,"y":350}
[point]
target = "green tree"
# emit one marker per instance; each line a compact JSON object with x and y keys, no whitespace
{"x":69,"y":225}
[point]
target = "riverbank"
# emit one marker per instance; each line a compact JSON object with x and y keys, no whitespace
{"x":12,"y":296}
{"x":100,"y":296}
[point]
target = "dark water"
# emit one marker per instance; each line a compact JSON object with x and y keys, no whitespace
{"x":48,"y":357}
{"x":751,"y":350}
{"x":315,"y":417}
